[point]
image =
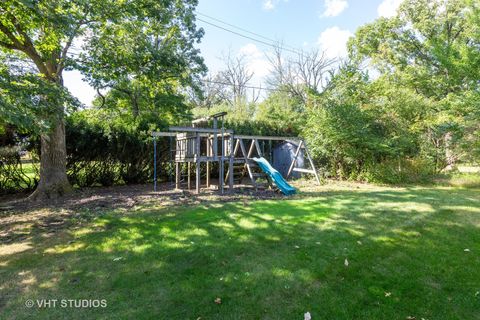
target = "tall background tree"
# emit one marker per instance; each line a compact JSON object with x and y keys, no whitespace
{"x":140,"y":49}
{"x":431,"y":49}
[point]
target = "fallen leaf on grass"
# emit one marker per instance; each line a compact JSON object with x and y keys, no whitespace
{"x":218,"y":301}
{"x":307,"y":316}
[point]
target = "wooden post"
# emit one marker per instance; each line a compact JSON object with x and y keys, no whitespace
{"x":292,"y":165}
{"x":257,"y":145}
{"x":177,"y":175}
{"x":215,"y":139}
{"x":270,"y":151}
{"x":208,"y":162}
{"x":247,"y":166}
{"x":250,"y":150}
{"x":311,"y":163}
{"x":189,"y":182}
{"x":230,"y":164}
{"x":222,"y":159}
{"x":197,"y":160}
{"x":235,"y":150}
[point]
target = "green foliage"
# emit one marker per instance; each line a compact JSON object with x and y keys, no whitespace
{"x":17,"y":173}
{"x":141,"y":51}
{"x":23,"y":101}
{"x":361,"y":129}
{"x":104,"y":149}
{"x":400,"y":171}
{"x":420,"y":114}
{"x":281,"y":110}
{"x":146,"y":61}
{"x":430,"y":48}
{"x":14,"y":174}
{"x":341,"y":135}
{"x":344,"y":138}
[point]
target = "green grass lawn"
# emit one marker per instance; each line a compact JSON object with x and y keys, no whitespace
{"x":411,"y":252}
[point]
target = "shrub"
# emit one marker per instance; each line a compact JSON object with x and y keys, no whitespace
{"x":110,"y":153}
{"x":400,"y":171}
{"x":14,"y":175}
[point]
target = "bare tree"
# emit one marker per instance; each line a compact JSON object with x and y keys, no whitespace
{"x":212,"y":92}
{"x":236,"y":77}
{"x":281,"y":71}
{"x":311,"y":68}
{"x":306,"y":71}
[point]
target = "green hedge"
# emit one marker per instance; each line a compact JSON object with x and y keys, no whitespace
{"x":106,"y":154}
{"x":15,"y":174}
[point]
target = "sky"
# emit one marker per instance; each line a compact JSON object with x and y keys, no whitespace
{"x":298,"y":24}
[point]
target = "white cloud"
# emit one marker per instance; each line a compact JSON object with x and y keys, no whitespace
{"x":255,"y":60}
{"x":388,"y":8}
{"x":334,"y":42}
{"x":334,"y":7}
{"x":268,"y":5}
{"x":250,"y":50}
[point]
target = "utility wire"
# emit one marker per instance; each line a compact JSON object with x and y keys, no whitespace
{"x":247,"y":31}
{"x":231,"y":84}
{"x":248,"y":37}
{"x":246,"y":86}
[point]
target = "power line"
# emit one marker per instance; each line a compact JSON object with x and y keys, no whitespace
{"x":245,"y":86}
{"x":245,"y":30}
{"x":231,"y":84}
{"x":247,"y":37}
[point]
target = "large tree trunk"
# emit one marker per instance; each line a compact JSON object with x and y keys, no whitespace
{"x":53,"y":158}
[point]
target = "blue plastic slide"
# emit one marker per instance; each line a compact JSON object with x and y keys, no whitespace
{"x":281,"y":183}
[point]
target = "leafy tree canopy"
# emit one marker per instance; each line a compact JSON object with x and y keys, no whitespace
{"x":114,"y":44}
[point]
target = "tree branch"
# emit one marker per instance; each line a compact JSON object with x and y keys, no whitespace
{"x":7,"y":45}
{"x":63,"y":54}
{"x":27,"y":47}
{"x":4,"y":29}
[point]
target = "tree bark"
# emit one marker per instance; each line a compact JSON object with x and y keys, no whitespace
{"x":449,"y":154}
{"x":53,"y":164}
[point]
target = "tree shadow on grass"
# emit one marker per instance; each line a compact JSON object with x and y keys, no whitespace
{"x":265,"y":260}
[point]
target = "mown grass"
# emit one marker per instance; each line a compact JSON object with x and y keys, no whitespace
{"x":463,"y":180}
{"x":411,"y":252}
